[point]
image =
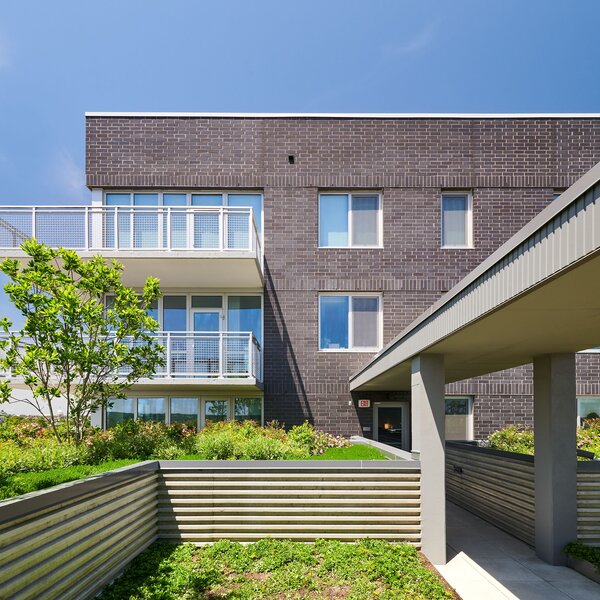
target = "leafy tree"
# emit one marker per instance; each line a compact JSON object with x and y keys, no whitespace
{"x":73,"y":345}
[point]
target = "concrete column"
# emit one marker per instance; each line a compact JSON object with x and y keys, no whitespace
{"x":555,"y":421}
{"x":428,"y":437}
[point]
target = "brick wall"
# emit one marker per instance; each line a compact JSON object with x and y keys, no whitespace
{"x":511,"y":165}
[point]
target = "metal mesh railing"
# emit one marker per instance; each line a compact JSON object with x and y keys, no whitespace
{"x":132,"y":228}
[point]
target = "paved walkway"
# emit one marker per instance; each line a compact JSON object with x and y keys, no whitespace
{"x":485,"y":563}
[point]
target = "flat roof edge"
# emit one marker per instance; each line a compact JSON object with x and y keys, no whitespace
{"x":291,"y":115}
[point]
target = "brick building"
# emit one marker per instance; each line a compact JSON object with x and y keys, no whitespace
{"x":362,"y":222}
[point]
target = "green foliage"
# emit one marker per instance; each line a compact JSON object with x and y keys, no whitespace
{"x":513,"y":438}
{"x":71,"y":345}
{"x":23,"y":483}
{"x":581,"y":551}
{"x":140,"y":439}
{"x":517,"y":438}
{"x":273,"y":568}
{"x":232,"y":440}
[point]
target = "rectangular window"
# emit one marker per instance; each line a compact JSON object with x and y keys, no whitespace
{"x":185,"y":410}
{"x":151,"y":409}
{"x":459,"y":418}
{"x":215,"y":410}
{"x":121,"y":410}
{"x":456,"y":220}
{"x":588,"y":407}
{"x":349,"y":322}
{"x":349,"y":220}
{"x":248,"y":409}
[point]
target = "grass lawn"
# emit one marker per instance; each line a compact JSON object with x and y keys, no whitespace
{"x":278,"y":569}
{"x":23,"y":483}
{"x":354,"y":452}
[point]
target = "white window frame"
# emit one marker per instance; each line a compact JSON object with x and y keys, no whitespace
{"x":351,"y":347}
{"x":470,"y":424}
{"x":469,"y":232}
{"x":379,"y":195}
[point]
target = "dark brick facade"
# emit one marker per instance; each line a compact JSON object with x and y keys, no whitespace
{"x":512,"y":167}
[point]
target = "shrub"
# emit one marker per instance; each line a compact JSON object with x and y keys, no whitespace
{"x":315,"y":441}
{"x":25,"y":429}
{"x":518,"y":438}
{"x":140,"y":439}
{"x":581,"y":551}
{"x":39,"y":455}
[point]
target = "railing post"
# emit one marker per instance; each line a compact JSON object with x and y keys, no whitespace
{"x":33,"y":222}
{"x":116,"y":226}
{"x":169,"y":242}
{"x":251,"y":230}
{"x":168,"y":355}
{"x":250,"y":370}
{"x":223,"y":243}
{"x":221,"y":354}
{"x":86,"y":216}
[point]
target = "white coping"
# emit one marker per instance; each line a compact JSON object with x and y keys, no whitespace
{"x":289,"y":115}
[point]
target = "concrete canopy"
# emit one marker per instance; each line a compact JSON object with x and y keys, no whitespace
{"x":537,"y":294}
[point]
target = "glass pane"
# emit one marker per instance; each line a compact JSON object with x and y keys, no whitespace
{"x":457,"y":406}
{"x":454,"y":220}
{"x":252,"y":200}
{"x":244,"y":314}
{"x":389,"y":425}
{"x":152,"y":310}
{"x":207,"y":200}
{"x":216,"y":410}
{"x":174,"y":199}
{"x":185,"y":410}
{"x":118,"y":199}
{"x":333,"y":220}
{"x":365,"y":315}
{"x":207,"y":321}
{"x":145,"y":199}
{"x":589,"y":408}
{"x":365,"y":220}
{"x":151,"y":409}
{"x":248,"y":409}
{"x":174,"y":313}
{"x":207,"y":301}
{"x":120,"y":411}
{"x":334,"y":322}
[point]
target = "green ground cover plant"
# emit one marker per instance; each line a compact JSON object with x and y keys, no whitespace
{"x":31,"y":458}
{"x":581,"y":551}
{"x":278,"y":569}
{"x":518,"y":438}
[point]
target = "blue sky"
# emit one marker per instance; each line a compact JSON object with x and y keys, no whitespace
{"x":59,"y":59}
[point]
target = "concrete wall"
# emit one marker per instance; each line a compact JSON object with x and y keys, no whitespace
{"x":512,"y":167}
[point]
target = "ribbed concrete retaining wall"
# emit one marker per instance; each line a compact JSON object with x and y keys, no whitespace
{"x":69,"y":542}
{"x":301,"y":500}
{"x":499,"y":487}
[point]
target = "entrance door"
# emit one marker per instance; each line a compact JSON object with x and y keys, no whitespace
{"x":390,"y":424}
{"x":207,"y":342}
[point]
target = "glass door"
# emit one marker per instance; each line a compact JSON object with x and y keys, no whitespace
{"x":391,"y":424}
{"x":207,"y":341}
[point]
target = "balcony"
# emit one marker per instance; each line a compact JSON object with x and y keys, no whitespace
{"x":219,"y":245}
{"x":202,"y":360}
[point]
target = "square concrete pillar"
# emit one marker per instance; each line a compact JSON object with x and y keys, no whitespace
{"x":428,"y":445}
{"x":555,"y":427}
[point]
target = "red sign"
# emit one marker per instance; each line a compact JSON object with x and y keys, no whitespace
{"x":364,"y":404}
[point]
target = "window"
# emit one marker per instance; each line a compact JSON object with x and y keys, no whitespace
{"x":151,"y":409}
{"x":588,"y":407}
{"x":456,"y":220}
{"x":459,"y":418}
{"x":557,"y":193}
{"x":349,"y":322}
{"x":185,"y":410}
{"x":248,"y":409}
{"x":119,"y":411}
{"x":349,"y":220}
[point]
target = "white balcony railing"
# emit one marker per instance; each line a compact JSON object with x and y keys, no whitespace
{"x":206,"y":355}
{"x":97,"y":228}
